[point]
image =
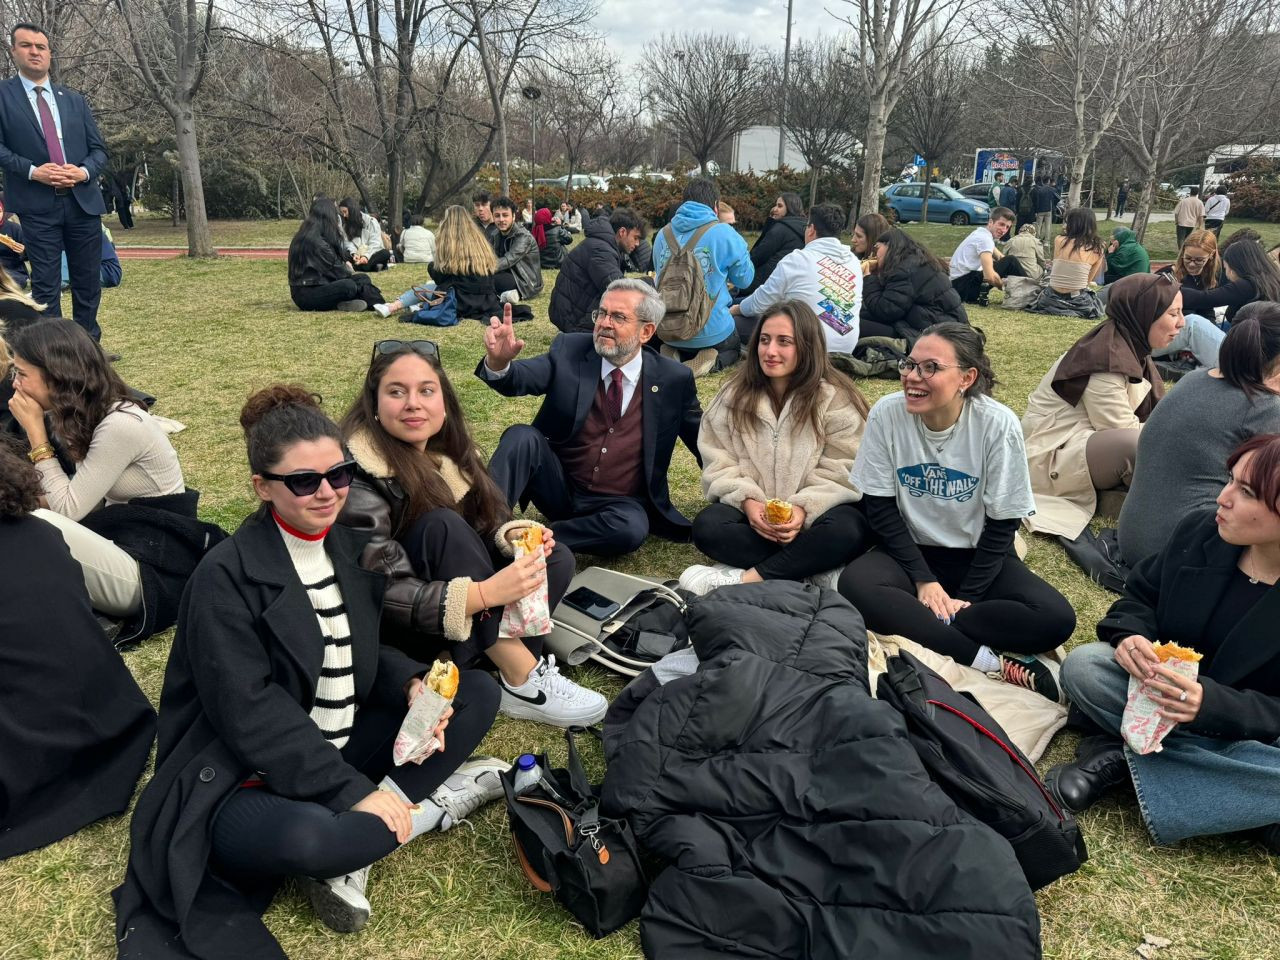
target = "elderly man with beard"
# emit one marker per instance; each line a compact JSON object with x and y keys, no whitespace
{"x":595,"y":459}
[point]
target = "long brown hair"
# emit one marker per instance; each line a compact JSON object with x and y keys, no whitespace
{"x":813,"y":367}
{"x":484,"y":507}
{"x":83,"y":386}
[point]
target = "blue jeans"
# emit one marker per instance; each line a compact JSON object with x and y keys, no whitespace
{"x":410,"y":299}
{"x":1202,"y":337}
{"x":1196,"y":786}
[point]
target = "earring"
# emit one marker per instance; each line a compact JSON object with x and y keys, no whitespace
{"x":375,"y":419}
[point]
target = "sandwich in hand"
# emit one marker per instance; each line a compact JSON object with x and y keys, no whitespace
{"x":777,"y":511}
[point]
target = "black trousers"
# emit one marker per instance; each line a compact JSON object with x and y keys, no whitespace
{"x":505,"y":280}
{"x":1019,"y":614}
{"x":47,"y":235}
{"x":442,"y":545}
{"x":1214,"y":225}
{"x":970,"y":285}
{"x":874,"y":328}
{"x":376,"y":261}
{"x":326,"y":296}
{"x":1183,"y":233}
{"x":723,"y":533}
{"x":258,"y":833}
{"x":526,"y":469}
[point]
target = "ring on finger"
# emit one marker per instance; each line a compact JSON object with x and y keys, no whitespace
{"x":1182,"y":697}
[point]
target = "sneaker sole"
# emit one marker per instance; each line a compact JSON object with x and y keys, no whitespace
{"x":334,"y":912}
{"x":515,"y":707}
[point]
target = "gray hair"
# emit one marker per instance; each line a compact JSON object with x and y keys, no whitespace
{"x":651,"y":308}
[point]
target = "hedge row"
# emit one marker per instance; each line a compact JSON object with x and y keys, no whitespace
{"x":1255,"y":191}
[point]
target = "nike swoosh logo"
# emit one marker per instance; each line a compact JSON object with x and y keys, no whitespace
{"x":537,"y":701}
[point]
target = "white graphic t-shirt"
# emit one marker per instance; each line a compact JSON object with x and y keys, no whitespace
{"x":946,"y":495}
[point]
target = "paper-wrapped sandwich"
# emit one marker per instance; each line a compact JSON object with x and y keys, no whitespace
{"x":1144,"y":729}
{"x":417,"y":740}
{"x":530,"y":616}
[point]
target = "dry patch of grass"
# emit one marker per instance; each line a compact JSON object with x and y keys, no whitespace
{"x":202,"y":335}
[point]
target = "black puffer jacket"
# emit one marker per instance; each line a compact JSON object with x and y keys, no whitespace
{"x":552,"y":255}
{"x":911,"y":299}
{"x":779,"y":238}
{"x":585,"y":273}
{"x":796,"y":818}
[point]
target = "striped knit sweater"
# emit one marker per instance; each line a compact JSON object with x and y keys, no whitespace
{"x":334,"y":710}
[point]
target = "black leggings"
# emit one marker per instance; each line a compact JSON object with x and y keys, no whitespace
{"x":723,"y":533}
{"x":442,"y":546}
{"x":874,"y":328}
{"x":258,"y":833}
{"x":1019,"y":613}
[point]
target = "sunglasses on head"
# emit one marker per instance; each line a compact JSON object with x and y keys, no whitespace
{"x":428,"y":348}
{"x":304,"y":483}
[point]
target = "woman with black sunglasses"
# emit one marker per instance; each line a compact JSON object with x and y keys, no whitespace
{"x":944,"y":481}
{"x":443,"y":535}
{"x":278,"y":716}
{"x":1082,"y":422}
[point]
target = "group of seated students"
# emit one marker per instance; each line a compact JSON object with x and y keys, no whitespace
{"x":385,"y":541}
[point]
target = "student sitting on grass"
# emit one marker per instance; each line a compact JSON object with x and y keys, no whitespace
{"x":1082,"y":422}
{"x":464,"y":263}
{"x":320,"y":270}
{"x":1213,"y":589}
{"x":908,"y":291}
{"x":76,"y":729}
{"x":1125,"y":255}
{"x":1079,"y":258}
{"x":1027,"y":250}
{"x":786,"y":427}
{"x":138,"y":549}
{"x":278,"y":716}
{"x":364,"y":240}
{"x":977,"y":265}
{"x":943,"y":477}
{"x":1183,"y":447}
{"x":443,"y":534}
{"x":866,"y":234}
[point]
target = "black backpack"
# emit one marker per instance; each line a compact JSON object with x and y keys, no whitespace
{"x":982,"y":771}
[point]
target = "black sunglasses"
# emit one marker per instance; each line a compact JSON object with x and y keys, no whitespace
{"x":306,"y":482}
{"x":428,"y":348}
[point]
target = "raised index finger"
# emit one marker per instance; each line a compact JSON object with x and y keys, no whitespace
{"x":506,"y":314}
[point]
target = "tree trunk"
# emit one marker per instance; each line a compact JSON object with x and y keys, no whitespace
{"x":395,"y":188}
{"x":1078,"y":165}
{"x":199,"y":237}
{"x":1142,"y":215}
{"x":813,"y":185}
{"x":177,"y":183}
{"x":924,"y":199}
{"x":873,"y":154}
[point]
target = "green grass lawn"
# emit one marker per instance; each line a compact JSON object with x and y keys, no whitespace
{"x":202,"y":335}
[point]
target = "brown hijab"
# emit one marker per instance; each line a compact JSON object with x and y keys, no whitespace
{"x":1119,"y":343}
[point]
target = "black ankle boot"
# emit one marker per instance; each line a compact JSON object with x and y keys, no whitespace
{"x":1099,"y":767}
{"x":1270,"y":838}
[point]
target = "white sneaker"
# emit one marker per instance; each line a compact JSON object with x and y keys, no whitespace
{"x":828,"y":579}
{"x":469,"y":788}
{"x":551,"y":698}
{"x":339,"y":902}
{"x":701,"y":579}
{"x":382,"y":309}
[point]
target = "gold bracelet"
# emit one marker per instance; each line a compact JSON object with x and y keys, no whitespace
{"x":42,"y":452}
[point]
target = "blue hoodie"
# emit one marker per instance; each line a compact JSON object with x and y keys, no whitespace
{"x":724,"y":257}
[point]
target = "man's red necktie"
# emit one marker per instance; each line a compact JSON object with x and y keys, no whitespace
{"x":613,"y":395}
{"x":50,"y":129}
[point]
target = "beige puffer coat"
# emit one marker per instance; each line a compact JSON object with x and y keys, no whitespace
{"x":781,"y":458}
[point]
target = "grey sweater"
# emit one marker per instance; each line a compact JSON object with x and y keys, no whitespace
{"x":1182,"y":457}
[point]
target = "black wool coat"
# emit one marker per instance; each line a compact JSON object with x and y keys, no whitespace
{"x":1172,"y":595}
{"x":237,"y":694}
{"x":75,"y":730}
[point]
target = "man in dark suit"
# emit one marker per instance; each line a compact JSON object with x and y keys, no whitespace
{"x":595,"y":459}
{"x":52,"y":153}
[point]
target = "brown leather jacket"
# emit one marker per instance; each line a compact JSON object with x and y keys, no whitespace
{"x":411,"y":607}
